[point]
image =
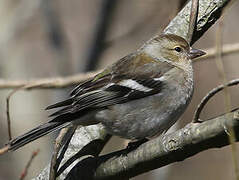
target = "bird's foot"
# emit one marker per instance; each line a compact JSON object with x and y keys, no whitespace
{"x":134,"y":144}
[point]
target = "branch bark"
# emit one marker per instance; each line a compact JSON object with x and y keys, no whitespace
{"x":47,"y":82}
{"x":209,"y":12}
{"x":86,"y":141}
{"x":159,"y":152}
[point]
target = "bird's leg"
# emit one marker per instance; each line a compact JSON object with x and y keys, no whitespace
{"x":136,"y":143}
{"x":198,"y":121}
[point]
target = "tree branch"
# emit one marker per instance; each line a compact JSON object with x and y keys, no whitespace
{"x":159,"y":152}
{"x":47,"y":82}
{"x":209,"y":12}
{"x":86,"y":141}
{"x":193,"y":19}
{"x":24,"y":173}
{"x":209,"y":95}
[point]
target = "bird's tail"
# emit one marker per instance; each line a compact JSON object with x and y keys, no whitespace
{"x":35,"y":134}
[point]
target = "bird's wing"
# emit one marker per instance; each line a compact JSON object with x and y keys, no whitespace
{"x":124,"y":81}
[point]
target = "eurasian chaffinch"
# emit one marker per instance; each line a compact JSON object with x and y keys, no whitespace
{"x":140,"y":96}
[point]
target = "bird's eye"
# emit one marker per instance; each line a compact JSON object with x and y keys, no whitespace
{"x":178,"y":49}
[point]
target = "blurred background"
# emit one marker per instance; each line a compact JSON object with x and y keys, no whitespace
{"x":57,"y":38}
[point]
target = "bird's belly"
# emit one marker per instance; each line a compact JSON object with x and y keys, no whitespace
{"x":145,"y":117}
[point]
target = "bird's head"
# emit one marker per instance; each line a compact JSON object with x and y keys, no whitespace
{"x":172,"y":48}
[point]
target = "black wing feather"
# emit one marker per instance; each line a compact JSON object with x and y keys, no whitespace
{"x":94,"y":100}
{"x":114,"y":94}
{"x":60,"y":104}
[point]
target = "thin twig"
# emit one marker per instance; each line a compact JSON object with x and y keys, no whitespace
{"x":60,"y":82}
{"x":209,"y":96}
{"x":193,"y":19}
{"x":24,"y":173}
{"x":32,"y":85}
{"x":4,"y":150}
{"x":8,"y":111}
{"x":8,"y":120}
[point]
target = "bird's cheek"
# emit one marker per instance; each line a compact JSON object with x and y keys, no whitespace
{"x":172,"y":57}
{"x":184,"y":57}
{"x":176,"y":58}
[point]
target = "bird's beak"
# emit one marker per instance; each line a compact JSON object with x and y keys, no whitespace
{"x":194,"y":53}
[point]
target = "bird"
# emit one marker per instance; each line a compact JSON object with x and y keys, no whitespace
{"x":139,"y":96}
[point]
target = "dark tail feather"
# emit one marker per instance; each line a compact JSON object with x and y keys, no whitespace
{"x":60,"y":104}
{"x":62,"y":111}
{"x":35,"y":134}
